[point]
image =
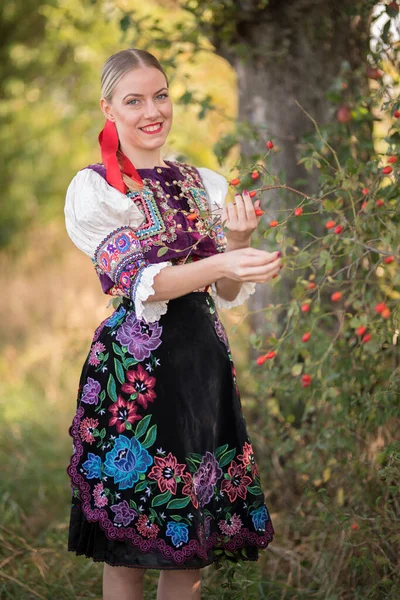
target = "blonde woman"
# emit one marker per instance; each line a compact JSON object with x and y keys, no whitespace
{"x":163,"y":473}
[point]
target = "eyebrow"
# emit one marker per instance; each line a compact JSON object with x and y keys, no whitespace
{"x":141,"y":95}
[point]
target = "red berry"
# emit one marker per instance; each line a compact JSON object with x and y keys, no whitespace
{"x":366,"y":338}
{"x":365,"y":191}
{"x":380,"y":307}
{"x":252,"y":193}
{"x":361,"y":330}
{"x":273,"y":223}
{"x":380,"y":202}
{"x":336,"y":296}
{"x":393,"y":159}
{"x":306,"y":337}
{"x":338,"y":229}
{"x":388,"y":259}
{"x":271,"y":354}
{"x":235,"y":181}
{"x":270,"y":144}
{"x":396,"y":114}
{"x":386,"y":313}
{"x":364,"y":205}
{"x":259,"y":212}
{"x":305,"y":307}
{"x":306,"y":380}
{"x":387,"y":170}
{"x":261,"y":359}
{"x":344,"y":114}
{"x":311,"y":285}
{"x":192,"y":217}
{"x":330,"y":224}
{"x":255,"y":175}
{"x":354,"y":526}
{"x":298,"y":211}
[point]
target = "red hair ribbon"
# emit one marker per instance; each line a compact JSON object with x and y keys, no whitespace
{"x":109,"y":144}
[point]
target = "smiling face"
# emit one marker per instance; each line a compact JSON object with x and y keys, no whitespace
{"x":140,"y":99}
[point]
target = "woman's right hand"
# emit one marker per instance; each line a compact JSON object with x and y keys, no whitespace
{"x":251,"y":264}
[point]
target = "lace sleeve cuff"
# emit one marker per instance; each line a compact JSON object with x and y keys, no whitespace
{"x":152,"y":310}
{"x":245,"y":291}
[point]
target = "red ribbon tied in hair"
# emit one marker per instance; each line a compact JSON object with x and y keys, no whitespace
{"x":109,"y":143}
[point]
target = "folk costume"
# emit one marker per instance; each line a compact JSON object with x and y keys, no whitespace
{"x":163,"y":474}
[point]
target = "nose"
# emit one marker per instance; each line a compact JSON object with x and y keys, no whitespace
{"x":151,"y":111}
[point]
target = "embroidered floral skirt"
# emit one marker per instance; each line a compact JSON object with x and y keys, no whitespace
{"x":162,"y":472}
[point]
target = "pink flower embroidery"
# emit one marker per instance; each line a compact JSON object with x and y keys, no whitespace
{"x":231,"y":526}
{"x":188,"y":489}
{"x":165,"y":472}
{"x":86,"y":429}
{"x":146,"y":527}
{"x":100,"y":498}
{"x":97,"y":349}
{"x":247,"y":458}
{"x":142,"y":383}
{"x":237,"y":483}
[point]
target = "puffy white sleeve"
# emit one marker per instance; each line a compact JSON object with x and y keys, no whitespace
{"x":101,"y":222}
{"x":217,"y":188}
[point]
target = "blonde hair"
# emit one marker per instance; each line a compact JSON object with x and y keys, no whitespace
{"x":114,"y":69}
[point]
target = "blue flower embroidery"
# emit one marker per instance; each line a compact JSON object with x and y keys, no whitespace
{"x":113,"y":320}
{"x":92,"y":466}
{"x":260,"y":516}
{"x":178,"y":531}
{"x":126,"y":461}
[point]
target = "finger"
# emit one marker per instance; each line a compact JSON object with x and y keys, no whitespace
{"x":261,"y":257}
{"x":232,"y":214}
{"x":250,"y":210}
{"x":241,"y":210}
{"x":260,"y":273}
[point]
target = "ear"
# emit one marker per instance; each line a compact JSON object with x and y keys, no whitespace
{"x":106,"y":109}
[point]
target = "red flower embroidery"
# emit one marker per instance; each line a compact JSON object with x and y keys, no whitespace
{"x":237,"y":484}
{"x":123,"y":412}
{"x":165,"y":471}
{"x":146,"y":527}
{"x":86,"y":429}
{"x":188,"y":489}
{"x":248,"y":458}
{"x":141,"y":383}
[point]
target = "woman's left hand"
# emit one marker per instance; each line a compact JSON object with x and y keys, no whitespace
{"x":240,"y":219}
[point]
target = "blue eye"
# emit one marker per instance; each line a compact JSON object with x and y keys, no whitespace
{"x":136,"y":100}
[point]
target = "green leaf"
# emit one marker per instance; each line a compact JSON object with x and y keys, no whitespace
{"x":119,"y":371}
{"x":176,"y":518}
{"x":161,"y":251}
{"x":139,"y":487}
{"x":255,"y":490}
{"x":129,"y":362}
{"x":112,"y":388}
{"x":227,"y":457}
{"x":219,"y":451}
{"x":150,"y":437}
{"x":161,"y":498}
{"x":178,"y":502}
{"x":103,"y":433}
{"x":142,"y":426}
{"x":117,"y":349}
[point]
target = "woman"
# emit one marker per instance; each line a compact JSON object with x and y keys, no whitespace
{"x":163,"y":473}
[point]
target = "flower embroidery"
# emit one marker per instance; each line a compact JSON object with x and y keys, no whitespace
{"x":91,"y":391}
{"x":99,"y":495}
{"x":86,"y":429}
{"x":126,"y":461}
{"x":179,"y":532}
{"x":231,"y":526}
{"x":123,"y":513}
{"x":139,"y":337}
{"x":248,"y":458}
{"x":97,"y":349}
{"x":115,"y":317}
{"x":237,"y":483}
{"x":165,"y":472}
{"x":92,"y":466}
{"x":221,"y":332}
{"x":141,"y":383}
{"x":123,"y":412}
{"x":99,"y":329}
{"x":206,"y":477}
{"x":260,"y":516}
{"x":188,"y":489}
{"x":146,"y":527}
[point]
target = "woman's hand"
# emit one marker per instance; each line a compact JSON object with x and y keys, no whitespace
{"x":251,"y":264}
{"x":241,"y":220}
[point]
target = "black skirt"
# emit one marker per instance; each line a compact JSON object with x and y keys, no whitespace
{"x":163,"y":473}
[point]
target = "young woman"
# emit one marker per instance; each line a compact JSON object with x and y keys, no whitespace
{"x":163,"y":473}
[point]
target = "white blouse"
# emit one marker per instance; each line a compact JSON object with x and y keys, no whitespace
{"x":93,"y":209}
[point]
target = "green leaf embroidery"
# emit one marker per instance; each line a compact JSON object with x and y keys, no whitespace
{"x":150,"y":437}
{"x":220,"y":450}
{"x":227,"y":457}
{"x":178,"y":502}
{"x":142,"y":426}
{"x":128,"y":362}
{"x":117,"y":349}
{"x":111,"y":388}
{"x":255,"y":490}
{"x":139,"y":487}
{"x":161,"y":498}
{"x":119,"y":370}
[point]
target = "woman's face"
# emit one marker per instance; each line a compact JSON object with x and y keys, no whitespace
{"x":141,"y":98}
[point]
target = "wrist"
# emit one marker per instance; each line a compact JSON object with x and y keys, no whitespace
{"x":236,"y":245}
{"x":218,"y":261}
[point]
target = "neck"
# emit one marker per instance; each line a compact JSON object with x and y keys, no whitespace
{"x":143,"y":159}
